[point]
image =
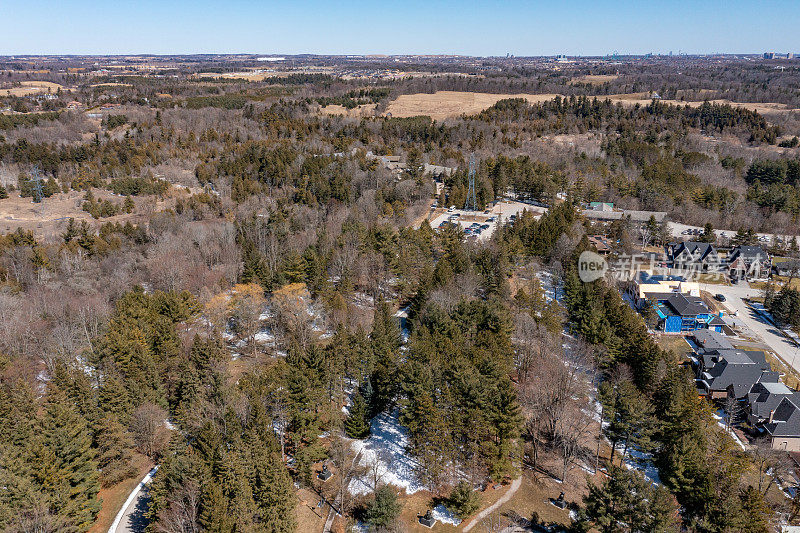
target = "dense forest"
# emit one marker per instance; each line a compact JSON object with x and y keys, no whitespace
{"x":240,"y":290}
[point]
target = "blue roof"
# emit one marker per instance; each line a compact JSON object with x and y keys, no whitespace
{"x":644,"y":277}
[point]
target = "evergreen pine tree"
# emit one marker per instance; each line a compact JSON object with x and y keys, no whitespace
{"x":357,"y":424}
{"x":64,"y":465}
{"x":114,"y":447}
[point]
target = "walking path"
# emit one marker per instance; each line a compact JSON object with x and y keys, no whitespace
{"x":130,"y":518}
{"x":496,"y":505}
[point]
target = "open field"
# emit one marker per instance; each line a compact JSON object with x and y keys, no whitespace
{"x":594,"y":79}
{"x":50,"y":218}
{"x":644,"y":99}
{"x":445,"y":104}
{"x":29,"y":88}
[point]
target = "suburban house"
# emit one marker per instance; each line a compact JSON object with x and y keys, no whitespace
{"x":678,"y":313}
{"x":706,"y":340}
{"x":783,"y":426}
{"x":601,"y":243}
{"x":764,"y":398}
{"x":732,"y":372}
{"x":700,"y":256}
{"x":645,"y":285}
{"x":750,"y":262}
{"x":787,"y":268}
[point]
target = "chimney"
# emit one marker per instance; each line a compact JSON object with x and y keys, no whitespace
{"x":771,"y":416}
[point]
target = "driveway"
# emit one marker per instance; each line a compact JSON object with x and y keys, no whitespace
{"x":784,"y":347}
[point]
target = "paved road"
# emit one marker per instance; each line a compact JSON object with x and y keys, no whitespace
{"x":131,"y":519}
{"x":678,"y":229}
{"x":777,"y":342}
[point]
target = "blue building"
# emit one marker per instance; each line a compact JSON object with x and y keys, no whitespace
{"x":678,"y":313}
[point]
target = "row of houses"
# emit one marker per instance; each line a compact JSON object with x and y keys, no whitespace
{"x":750,"y":262}
{"x":723,"y":371}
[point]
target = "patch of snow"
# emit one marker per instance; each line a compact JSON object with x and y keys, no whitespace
{"x":266,"y":314}
{"x":720,"y":416}
{"x":443,"y":515}
{"x":360,"y":527}
{"x":265,"y":336}
{"x":386,"y":444}
{"x":643,"y":462}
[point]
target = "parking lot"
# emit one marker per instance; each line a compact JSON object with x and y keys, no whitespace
{"x":691,"y":232}
{"x":481,"y":225}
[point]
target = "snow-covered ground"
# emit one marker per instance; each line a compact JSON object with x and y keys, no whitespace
{"x":386,"y":444}
{"x":552,"y":289}
{"x":720,"y":416}
{"x":443,"y":515}
{"x":643,"y":462}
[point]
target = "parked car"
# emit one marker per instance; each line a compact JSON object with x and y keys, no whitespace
{"x":720,"y":297}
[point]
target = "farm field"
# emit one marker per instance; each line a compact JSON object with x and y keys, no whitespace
{"x":447,"y":104}
{"x":594,"y":79}
{"x":29,"y":88}
{"x":444,"y":104}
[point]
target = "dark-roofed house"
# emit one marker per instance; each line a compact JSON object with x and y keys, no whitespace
{"x":749,"y":262}
{"x":783,"y":427}
{"x":700,"y":256}
{"x":763,"y":399}
{"x":601,"y":243}
{"x":681,"y":313}
{"x":732,"y":372}
{"x":787,"y":268}
{"x":708,"y":339}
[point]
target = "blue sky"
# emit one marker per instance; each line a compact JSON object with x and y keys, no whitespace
{"x":571,"y":27}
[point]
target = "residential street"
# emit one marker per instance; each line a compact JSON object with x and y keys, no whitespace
{"x":781,"y":345}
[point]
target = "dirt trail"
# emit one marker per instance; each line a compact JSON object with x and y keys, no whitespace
{"x":496,"y":505}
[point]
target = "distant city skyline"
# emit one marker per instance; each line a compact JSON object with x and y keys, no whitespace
{"x":476,"y":28}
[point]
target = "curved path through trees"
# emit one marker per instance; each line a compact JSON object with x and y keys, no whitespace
{"x":130,"y":518}
{"x":496,"y":505}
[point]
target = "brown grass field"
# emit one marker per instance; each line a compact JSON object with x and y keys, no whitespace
{"x":366,"y":110}
{"x":31,"y":87}
{"x":49,"y":219}
{"x":594,"y":79}
{"x":444,"y":104}
{"x":644,"y":99}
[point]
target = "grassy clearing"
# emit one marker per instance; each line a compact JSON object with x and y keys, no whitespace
{"x":712,"y":279}
{"x":673,"y":343}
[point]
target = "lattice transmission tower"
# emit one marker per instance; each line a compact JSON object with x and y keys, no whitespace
{"x":471,"y":197}
{"x":38,"y":194}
